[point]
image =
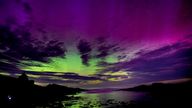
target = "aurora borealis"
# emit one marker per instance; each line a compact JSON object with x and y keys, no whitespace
{"x":96,"y":43}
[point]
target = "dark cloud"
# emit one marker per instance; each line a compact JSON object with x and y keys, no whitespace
{"x":105,"y":49}
{"x":99,"y":49}
{"x":7,"y":67}
{"x":18,"y":45}
{"x":22,"y":47}
{"x":61,"y":78}
{"x":168,"y":61}
{"x":55,"y":81}
{"x":16,"y":41}
{"x":84,"y":48}
{"x":68,"y":75}
{"x":71,"y":78}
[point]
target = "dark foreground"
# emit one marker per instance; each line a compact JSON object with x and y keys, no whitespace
{"x":160,"y":95}
{"x":22,"y":93}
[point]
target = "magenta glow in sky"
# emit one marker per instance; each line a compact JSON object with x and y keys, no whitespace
{"x":121,"y":19}
{"x":148,"y":31}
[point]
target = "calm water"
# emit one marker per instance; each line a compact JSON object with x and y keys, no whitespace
{"x":103,"y":100}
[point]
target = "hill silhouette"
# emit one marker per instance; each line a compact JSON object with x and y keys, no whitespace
{"x":163,"y":95}
{"x":23,"y":93}
{"x":156,"y":87}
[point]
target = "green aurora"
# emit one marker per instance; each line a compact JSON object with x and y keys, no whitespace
{"x":71,"y":63}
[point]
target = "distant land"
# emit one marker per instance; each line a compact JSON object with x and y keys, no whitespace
{"x":23,"y":93}
{"x":164,"y":95}
{"x":164,"y":85}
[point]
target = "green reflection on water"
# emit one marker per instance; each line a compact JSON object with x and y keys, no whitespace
{"x":84,"y":101}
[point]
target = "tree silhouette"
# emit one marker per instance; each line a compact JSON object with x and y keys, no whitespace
{"x":23,"y":77}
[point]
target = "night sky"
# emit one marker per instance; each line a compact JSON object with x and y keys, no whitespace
{"x":96,"y":43}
